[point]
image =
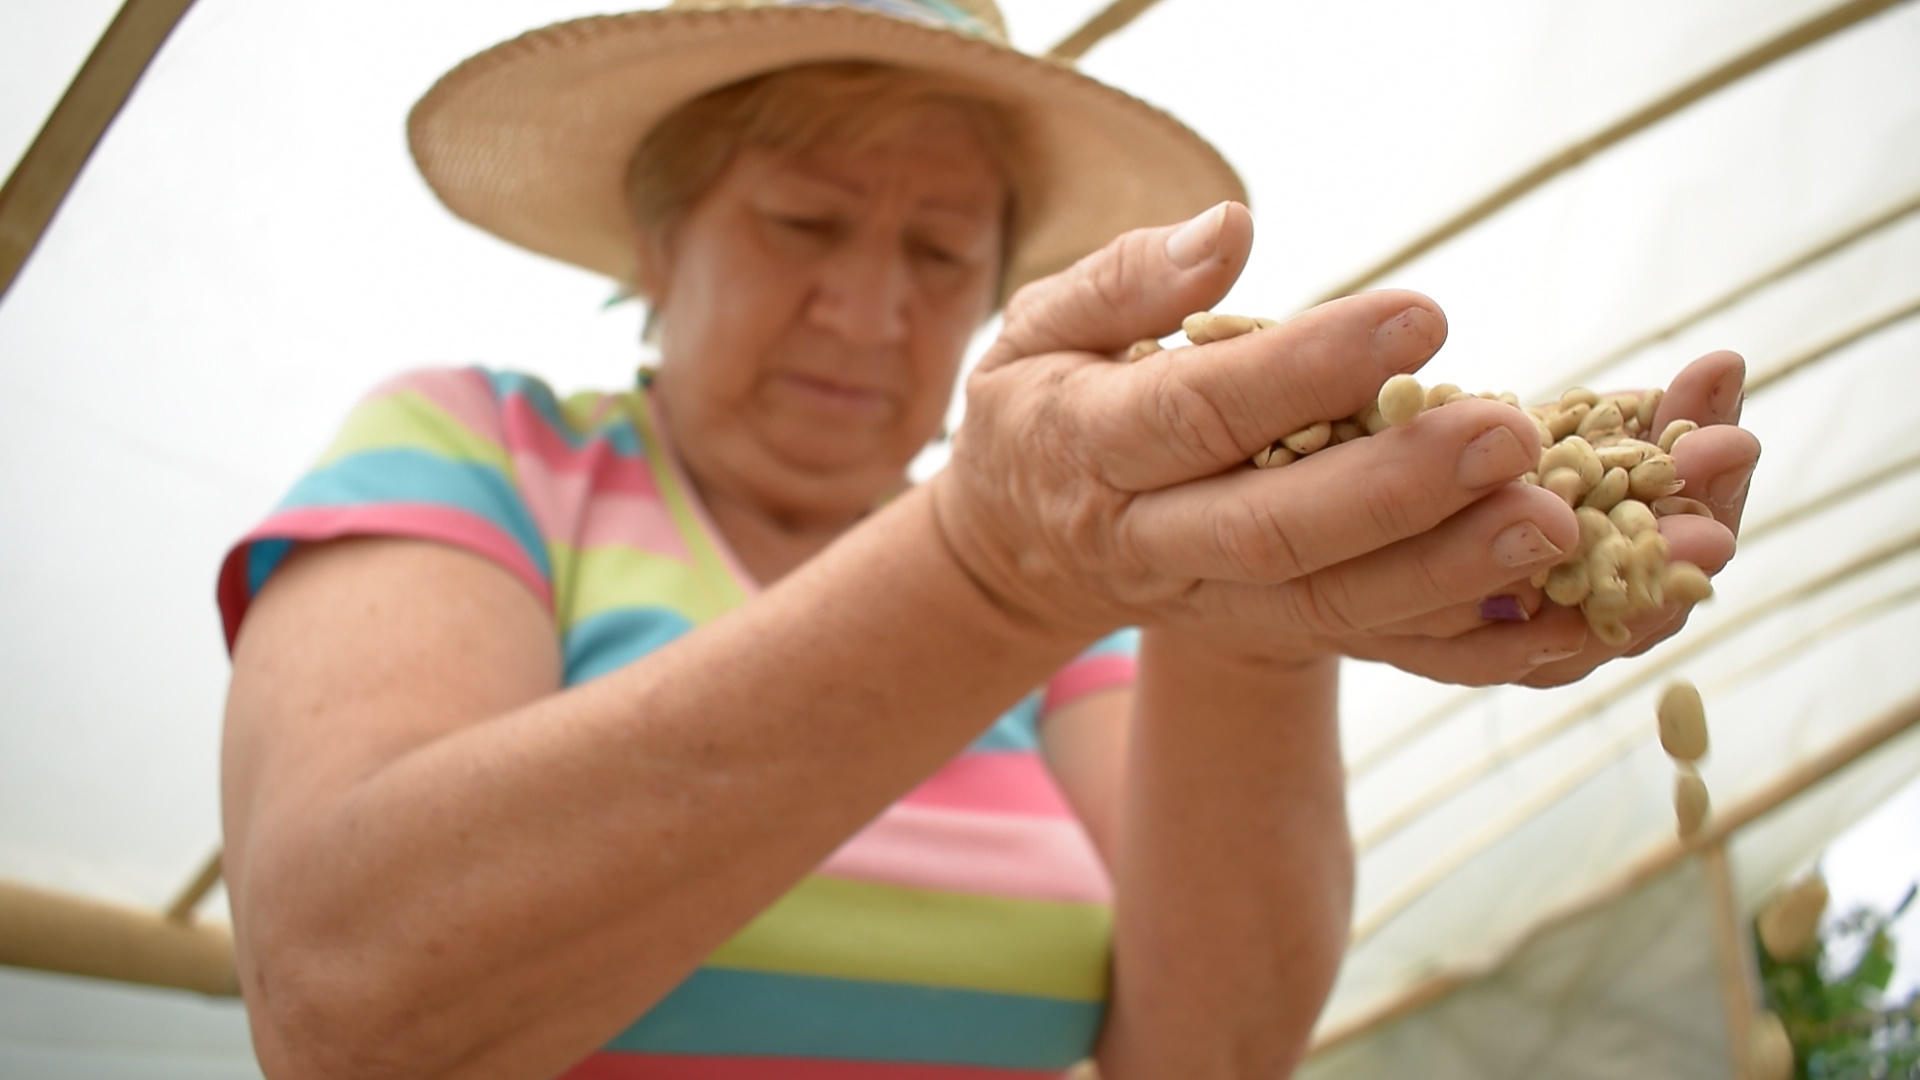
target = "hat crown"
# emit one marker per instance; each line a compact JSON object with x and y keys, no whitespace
{"x":976,"y":18}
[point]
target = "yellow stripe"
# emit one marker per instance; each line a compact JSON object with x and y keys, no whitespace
{"x":408,"y":420}
{"x":603,"y":579}
{"x":713,"y":566}
{"x":884,"y":933}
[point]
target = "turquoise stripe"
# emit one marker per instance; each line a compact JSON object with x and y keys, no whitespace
{"x":616,"y":431}
{"x":1017,"y":729}
{"x":373,"y":477}
{"x":757,"y":1014}
{"x":614,"y":639}
{"x":1119,"y":643}
{"x":263,"y":558}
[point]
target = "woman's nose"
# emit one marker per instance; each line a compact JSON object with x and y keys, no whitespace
{"x":865,"y":287}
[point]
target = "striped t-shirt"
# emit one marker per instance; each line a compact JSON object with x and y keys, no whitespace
{"x":964,"y":934}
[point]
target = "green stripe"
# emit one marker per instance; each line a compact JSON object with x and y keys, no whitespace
{"x":726,"y":593}
{"x":409,"y":420}
{"x":885,"y":933}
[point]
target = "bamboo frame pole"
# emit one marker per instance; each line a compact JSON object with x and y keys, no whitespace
{"x":44,"y":176}
{"x":181,"y":910}
{"x":1853,"y":335}
{"x":1795,"y":39}
{"x":1738,"y":990}
{"x":1464,"y":777}
{"x":1660,"y":859}
{"x":1773,"y":275}
{"x":1109,"y":21}
{"x":50,"y":931}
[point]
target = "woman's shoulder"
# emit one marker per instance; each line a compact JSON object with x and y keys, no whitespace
{"x":512,"y":410}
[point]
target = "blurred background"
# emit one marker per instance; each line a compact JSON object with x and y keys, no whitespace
{"x":1595,"y":191}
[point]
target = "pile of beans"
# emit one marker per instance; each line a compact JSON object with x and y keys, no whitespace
{"x":1600,"y":455}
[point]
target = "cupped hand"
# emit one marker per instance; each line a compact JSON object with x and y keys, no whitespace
{"x":1086,"y":493}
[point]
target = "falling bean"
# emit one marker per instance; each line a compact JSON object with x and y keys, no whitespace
{"x":1140,"y":350}
{"x":1608,"y":628}
{"x":1683,"y":722}
{"x":1769,"y":1049}
{"x":1401,"y":400}
{"x":1595,"y":526}
{"x":1689,"y":801}
{"x":1787,"y":924}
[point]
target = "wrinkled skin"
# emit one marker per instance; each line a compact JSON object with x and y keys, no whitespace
{"x":1087,"y":493}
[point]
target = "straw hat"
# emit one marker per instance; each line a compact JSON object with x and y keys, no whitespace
{"x":530,"y":139}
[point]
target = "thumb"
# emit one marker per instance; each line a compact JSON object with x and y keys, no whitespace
{"x":1139,"y":286}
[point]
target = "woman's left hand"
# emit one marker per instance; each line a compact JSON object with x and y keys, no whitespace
{"x":1716,"y":462}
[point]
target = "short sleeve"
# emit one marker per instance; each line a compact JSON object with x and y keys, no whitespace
{"x":423,"y":456}
{"x":1110,"y":662}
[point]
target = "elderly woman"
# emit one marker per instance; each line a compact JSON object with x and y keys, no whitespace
{"x":653,"y":733}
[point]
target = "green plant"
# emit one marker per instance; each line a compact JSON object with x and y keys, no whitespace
{"x":1841,"y":1026}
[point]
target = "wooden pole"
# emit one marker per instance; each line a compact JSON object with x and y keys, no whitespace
{"x":1103,"y":25}
{"x":44,"y":176}
{"x":181,"y":910}
{"x":1853,"y":335}
{"x":50,"y":931}
{"x":1809,"y":33}
{"x":1738,"y":990}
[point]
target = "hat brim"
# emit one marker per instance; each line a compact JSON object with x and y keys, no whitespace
{"x":530,"y":139}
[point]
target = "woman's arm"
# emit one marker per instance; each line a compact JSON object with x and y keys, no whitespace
{"x":1234,"y":874}
{"x":440,"y":866}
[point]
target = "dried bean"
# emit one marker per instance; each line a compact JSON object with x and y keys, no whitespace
{"x":1787,"y":924}
{"x":1345,"y":431}
{"x":1438,"y":396}
{"x":1686,"y":583}
{"x":1633,"y":518}
{"x":1769,"y":1049}
{"x":1625,"y":455}
{"x":1402,"y":399}
{"x":1683,"y":722}
{"x":1655,"y":478}
{"x":1567,"y":484}
{"x":1675,"y":429}
{"x":1205,"y":327}
{"x":1310,"y":439}
{"x":1595,"y":526}
{"x":1680,"y":504}
{"x":1689,"y":801}
{"x":1140,"y":350}
{"x":1603,"y":418}
{"x":1608,"y":628}
{"x":1609,"y":491}
{"x":1567,"y":420}
{"x":1649,"y":405}
{"x":1566,"y":584}
{"x":1274,"y":457}
{"x":1579,"y":395}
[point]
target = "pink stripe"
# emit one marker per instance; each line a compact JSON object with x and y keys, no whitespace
{"x":609,"y":1065}
{"x":1083,"y":677}
{"x":462,"y":393}
{"x":633,"y":521}
{"x":457,"y":528}
{"x":1018,"y":858}
{"x":533,"y":438}
{"x":718,"y":541}
{"x":994,"y":782}
{"x":576,"y":507}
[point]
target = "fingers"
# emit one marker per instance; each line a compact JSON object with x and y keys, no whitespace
{"x":1269,"y":526}
{"x":1193,"y":412}
{"x":1139,"y":286}
{"x":1717,"y":464}
{"x":1709,"y":391}
{"x":1497,"y":653}
{"x":1514,"y":531}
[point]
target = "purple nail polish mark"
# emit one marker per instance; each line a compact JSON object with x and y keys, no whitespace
{"x":1502,"y":609}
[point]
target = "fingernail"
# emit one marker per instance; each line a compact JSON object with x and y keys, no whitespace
{"x":1726,"y":490}
{"x":1503,"y":609}
{"x":1493,"y":457}
{"x":1728,"y":395}
{"x":1523,"y":545}
{"x":1409,"y":339}
{"x":1193,"y":242}
{"x":1551,"y":656}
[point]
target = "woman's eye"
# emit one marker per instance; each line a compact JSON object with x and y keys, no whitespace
{"x":809,"y":226}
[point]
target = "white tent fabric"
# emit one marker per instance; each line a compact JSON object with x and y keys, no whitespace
{"x":250,"y":249}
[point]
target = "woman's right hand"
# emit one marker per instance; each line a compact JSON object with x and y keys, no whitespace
{"x":1085,"y":493}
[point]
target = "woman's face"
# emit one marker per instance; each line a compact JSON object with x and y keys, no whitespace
{"x":814,"y":309}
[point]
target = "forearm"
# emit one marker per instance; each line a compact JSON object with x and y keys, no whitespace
{"x":545,"y":875}
{"x":1234,"y":883}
